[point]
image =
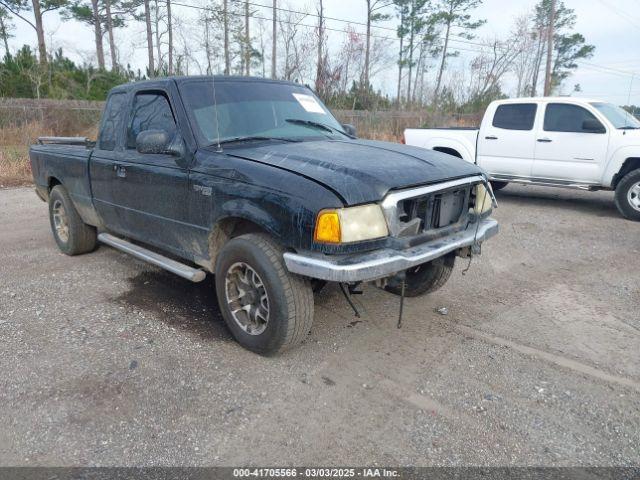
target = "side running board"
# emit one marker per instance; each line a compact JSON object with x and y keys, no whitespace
{"x":180,"y":269}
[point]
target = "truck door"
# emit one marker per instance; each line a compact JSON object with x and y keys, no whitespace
{"x":151,"y":189}
{"x":506,"y":142}
{"x":107,"y":151}
{"x":570,"y":145}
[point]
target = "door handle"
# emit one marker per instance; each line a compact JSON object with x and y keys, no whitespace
{"x":490,"y":137}
{"x":545,"y":140}
{"x":120,"y":171}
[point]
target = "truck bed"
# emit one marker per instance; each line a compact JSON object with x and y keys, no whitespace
{"x":52,"y":162}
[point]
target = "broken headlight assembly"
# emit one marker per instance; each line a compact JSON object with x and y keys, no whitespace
{"x":352,"y":224}
{"x":483,"y":199}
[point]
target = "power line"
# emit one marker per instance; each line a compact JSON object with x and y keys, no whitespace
{"x":452,"y":38}
{"x":620,"y":13}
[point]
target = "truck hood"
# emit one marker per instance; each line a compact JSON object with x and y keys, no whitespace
{"x":360,"y":171}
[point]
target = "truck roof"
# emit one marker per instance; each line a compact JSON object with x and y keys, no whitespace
{"x":156,"y":82}
{"x":550,"y":99}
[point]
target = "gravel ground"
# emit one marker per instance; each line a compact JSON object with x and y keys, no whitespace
{"x":108,"y":361}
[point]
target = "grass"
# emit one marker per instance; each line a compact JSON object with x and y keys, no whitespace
{"x":15,"y":169}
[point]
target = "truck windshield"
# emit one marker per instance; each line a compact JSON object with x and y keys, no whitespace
{"x":251,"y":110}
{"x":619,"y":117}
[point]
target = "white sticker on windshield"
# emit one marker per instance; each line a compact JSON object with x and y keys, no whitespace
{"x":309,"y":103}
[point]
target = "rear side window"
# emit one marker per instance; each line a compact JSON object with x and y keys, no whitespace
{"x":150,"y":111}
{"x":562,"y":117}
{"x":111,"y":121}
{"x":515,"y":116}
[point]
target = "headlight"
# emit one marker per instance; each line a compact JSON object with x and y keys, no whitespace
{"x":484,"y":202}
{"x":353,"y":224}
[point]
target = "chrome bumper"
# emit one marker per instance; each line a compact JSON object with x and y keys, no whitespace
{"x":386,"y":262}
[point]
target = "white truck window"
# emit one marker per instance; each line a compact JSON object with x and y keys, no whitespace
{"x":515,"y":116}
{"x":563,"y":117}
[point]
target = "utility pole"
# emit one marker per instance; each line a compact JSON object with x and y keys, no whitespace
{"x":550,"y":33}
{"x":273,"y":44}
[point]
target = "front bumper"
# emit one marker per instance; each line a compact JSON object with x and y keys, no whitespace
{"x":386,"y":262}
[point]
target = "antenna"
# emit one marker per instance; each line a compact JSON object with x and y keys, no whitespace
{"x":629,"y":100}
{"x":215,"y":107}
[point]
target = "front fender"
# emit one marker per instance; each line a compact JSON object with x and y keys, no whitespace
{"x":616,"y":161}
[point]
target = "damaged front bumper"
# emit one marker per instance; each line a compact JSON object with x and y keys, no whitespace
{"x":386,"y":262}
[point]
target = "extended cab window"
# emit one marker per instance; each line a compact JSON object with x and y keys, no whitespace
{"x":111,"y":121}
{"x":515,"y":116}
{"x":150,"y":111}
{"x":563,"y":117}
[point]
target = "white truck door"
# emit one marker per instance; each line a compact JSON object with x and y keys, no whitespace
{"x":506,"y":142}
{"x":571,"y":145}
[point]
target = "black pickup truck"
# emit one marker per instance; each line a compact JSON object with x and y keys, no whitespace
{"x":255,"y":181}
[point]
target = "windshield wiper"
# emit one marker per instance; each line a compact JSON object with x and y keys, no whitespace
{"x":629,"y":128}
{"x":250,"y":138}
{"x":318,"y":125}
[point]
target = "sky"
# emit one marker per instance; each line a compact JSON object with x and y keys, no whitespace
{"x":613,"y":26}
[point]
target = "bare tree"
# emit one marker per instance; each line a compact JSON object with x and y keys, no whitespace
{"x":247,"y":40}
{"x":170,"y":33}
{"x":112,"y":43}
{"x":320,"y":62}
{"x":295,"y":45}
{"x":225,"y":20}
{"x":373,"y":15}
{"x":488,"y":69}
{"x":147,"y":19}
{"x":274,"y":40}
{"x":97,"y":30}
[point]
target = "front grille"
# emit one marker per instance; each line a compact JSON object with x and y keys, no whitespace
{"x":439,"y":209}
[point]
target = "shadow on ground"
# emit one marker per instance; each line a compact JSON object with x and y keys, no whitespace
{"x":582,"y":202}
{"x":177,"y":302}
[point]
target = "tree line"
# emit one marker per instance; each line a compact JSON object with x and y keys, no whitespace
{"x":285,"y":41}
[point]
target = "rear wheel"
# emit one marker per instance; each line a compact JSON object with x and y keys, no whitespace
{"x":628,"y":196}
{"x":498,"y":185}
{"x":425,"y":278}
{"x":72,"y":235}
{"x":266,"y":308}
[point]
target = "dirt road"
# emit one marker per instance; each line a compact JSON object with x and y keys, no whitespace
{"x":108,"y":361}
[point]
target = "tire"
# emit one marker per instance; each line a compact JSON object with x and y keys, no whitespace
{"x":73,"y":236}
{"x":289,"y":297}
{"x":498,"y":185}
{"x":318,"y":285}
{"x":425,"y":278}
{"x":628,"y":196}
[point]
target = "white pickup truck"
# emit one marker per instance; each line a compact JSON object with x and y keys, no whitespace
{"x":552,"y":141}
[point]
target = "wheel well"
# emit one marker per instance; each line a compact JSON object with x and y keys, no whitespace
{"x":225,"y":230}
{"x":53,"y":181}
{"x":628,"y":166}
{"x":448,"y":151}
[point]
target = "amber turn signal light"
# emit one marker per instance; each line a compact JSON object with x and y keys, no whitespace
{"x":327,"y":227}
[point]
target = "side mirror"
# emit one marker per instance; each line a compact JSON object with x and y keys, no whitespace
{"x":591,"y":125}
{"x":159,"y":141}
{"x":350,"y":129}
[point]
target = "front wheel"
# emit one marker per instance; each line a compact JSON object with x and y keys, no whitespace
{"x":498,"y":185}
{"x":266,"y":308}
{"x":628,"y":196}
{"x":425,"y":278}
